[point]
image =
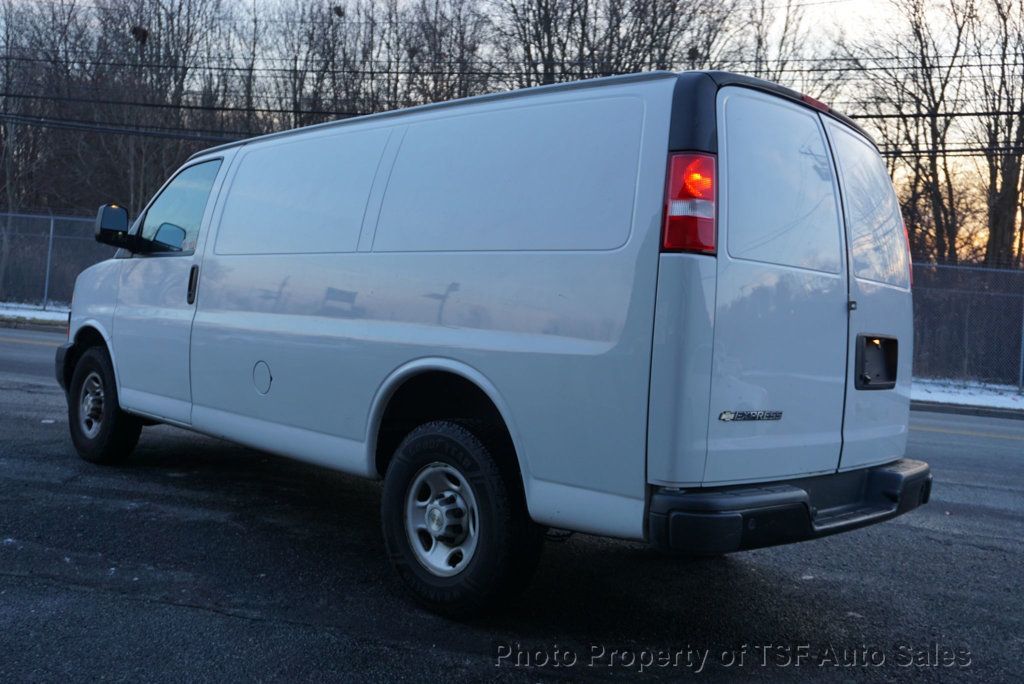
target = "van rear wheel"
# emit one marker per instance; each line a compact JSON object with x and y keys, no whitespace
{"x":101,"y":431}
{"x":455,"y":526}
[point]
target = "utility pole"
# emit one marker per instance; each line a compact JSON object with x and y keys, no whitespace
{"x":49,"y":262}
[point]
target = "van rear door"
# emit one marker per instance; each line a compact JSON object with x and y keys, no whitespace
{"x":881,"y":316}
{"x":780,"y":338}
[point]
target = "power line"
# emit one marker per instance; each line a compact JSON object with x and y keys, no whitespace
{"x":168,"y":105}
{"x":324,"y":112}
{"x":936,"y":59}
{"x":481,"y":66}
{"x":954,"y":151}
{"x":940,"y":115}
{"x":300,"y":67}
{"x":165,"y":132}
{"x":230,"y":136}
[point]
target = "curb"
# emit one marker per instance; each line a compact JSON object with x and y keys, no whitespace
{"x":965,"y":410}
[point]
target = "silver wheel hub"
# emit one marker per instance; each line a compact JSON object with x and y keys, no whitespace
{"x":90,"y":411}
{"x":442,"y":519}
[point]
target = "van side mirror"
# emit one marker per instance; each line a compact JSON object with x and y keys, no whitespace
{"x":168,"y":238}
{"x":112,"y":226}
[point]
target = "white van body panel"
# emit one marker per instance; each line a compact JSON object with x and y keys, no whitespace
{"x":684,"y":324}
{"x":153,"y":322}
{"x":781,"y":303}
{"x":875,"y":427}
{"x":93,"y":303}
{"x":333,"y":326}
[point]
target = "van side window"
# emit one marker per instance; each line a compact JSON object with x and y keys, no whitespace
{"x":781,"y":200}
{"x":873,"y":221}
{"x":182,"y":204}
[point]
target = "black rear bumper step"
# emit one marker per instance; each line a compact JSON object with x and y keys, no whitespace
{"x":723,"y":519}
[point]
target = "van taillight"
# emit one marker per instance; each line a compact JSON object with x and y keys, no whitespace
{"x":690,"y":204}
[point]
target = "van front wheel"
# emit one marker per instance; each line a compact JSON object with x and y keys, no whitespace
{"x":454,"y":524}
{"x":100,"y":430}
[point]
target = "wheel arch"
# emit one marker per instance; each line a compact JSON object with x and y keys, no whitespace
{"x":88,"y":334}
{"x":380,"y":442}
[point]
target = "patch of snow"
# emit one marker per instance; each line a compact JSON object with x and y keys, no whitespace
{"x":25,"y":312}
{"x":967,"y":394}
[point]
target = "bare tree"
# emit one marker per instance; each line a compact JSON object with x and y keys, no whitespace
{"x":104,"y":98}
{"x":998,"y":45}
{"x":777,"y":36}
{"x":915,"y":79}
{"x":444,"y":42}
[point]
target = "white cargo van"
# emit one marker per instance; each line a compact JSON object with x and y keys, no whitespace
{"x":663,"y":307}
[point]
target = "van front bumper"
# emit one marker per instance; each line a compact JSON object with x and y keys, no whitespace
{"x":722,"y":519}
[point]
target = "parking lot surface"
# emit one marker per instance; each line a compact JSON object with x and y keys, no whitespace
{"x":202,"y":560}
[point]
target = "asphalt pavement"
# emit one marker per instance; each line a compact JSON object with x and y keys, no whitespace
{"x":200,"y":560}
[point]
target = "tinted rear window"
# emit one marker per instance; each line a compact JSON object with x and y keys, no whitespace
{"x":878,"y":249}
{"x":781,"y":200}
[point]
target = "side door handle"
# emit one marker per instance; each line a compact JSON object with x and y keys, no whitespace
{"x":193,"y":283}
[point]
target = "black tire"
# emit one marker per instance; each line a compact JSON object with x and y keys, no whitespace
{"x":508,"y":543}
{"x":112,"y":437}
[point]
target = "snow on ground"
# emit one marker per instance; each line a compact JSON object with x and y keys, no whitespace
{"x":25,"y":313}
{"x":967,"y":394}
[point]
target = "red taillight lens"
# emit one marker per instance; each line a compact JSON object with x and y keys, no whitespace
{"x":690,"y":204}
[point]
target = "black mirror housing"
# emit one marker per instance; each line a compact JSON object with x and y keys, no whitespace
{"x":112,"y":226}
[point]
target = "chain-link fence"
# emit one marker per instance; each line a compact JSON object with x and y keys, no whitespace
{"x":40,"y":257}
{"x":969,"y":324}
{"x":968,"y":321}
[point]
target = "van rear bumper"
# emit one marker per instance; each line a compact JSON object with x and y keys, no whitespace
{"x":723,"y":519}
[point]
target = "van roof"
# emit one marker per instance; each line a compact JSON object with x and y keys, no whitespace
{"x":504,"y":95}
{"x":689,"y":85}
